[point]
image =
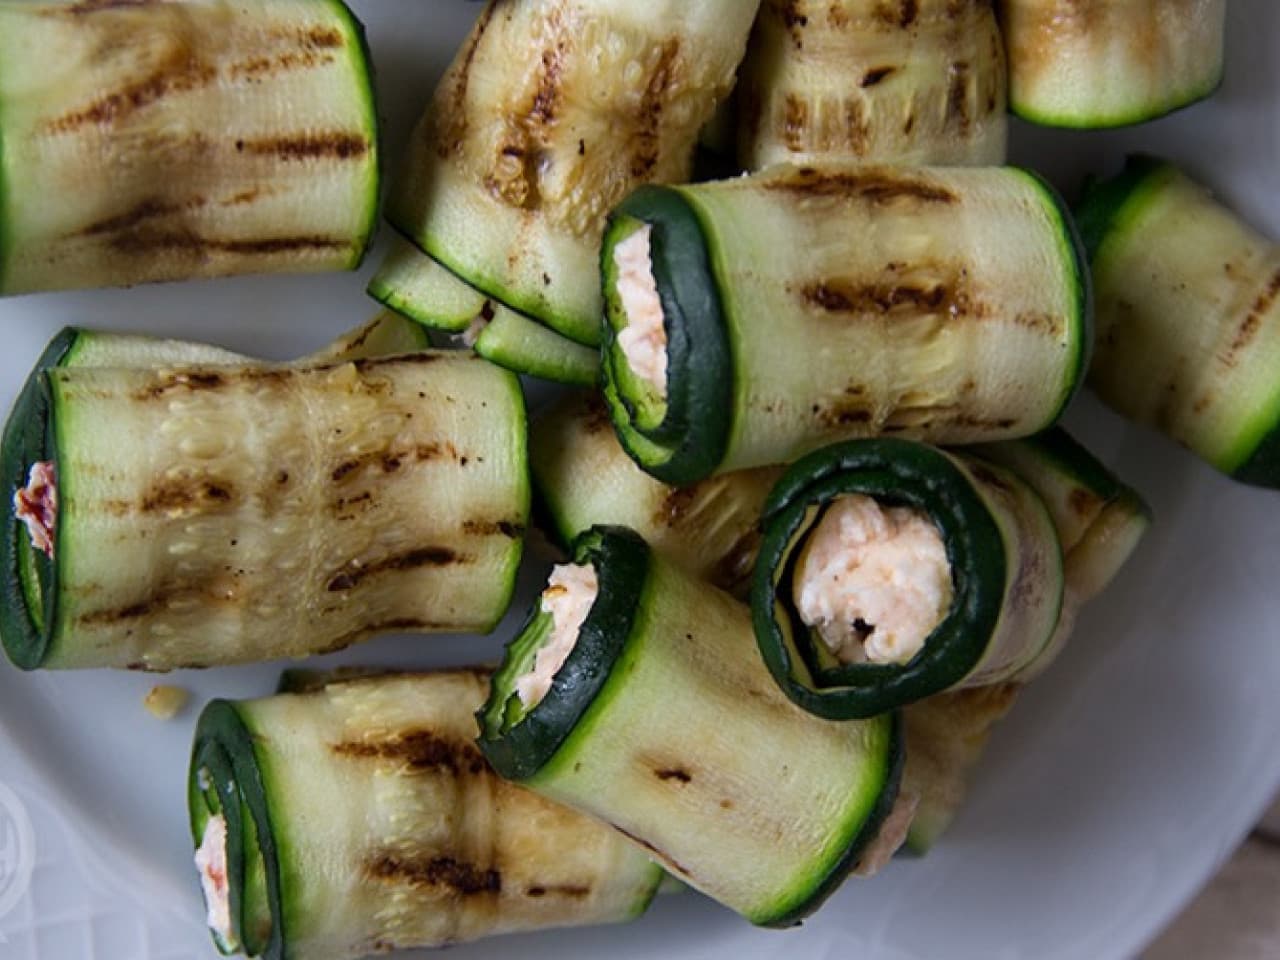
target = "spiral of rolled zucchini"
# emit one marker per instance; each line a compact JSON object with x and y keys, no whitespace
{"x":164,"y":141}
{"x":357,"y":816}
{"x":630,"y":694}
{"x":180,"y":511}
{"x":915,"y":83}
{"x":753,"y":320}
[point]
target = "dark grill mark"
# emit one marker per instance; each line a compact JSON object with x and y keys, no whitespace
{"x":450,"y":108}
{"x":673,"y":773}
{"x":180,"y":495}
{"x":315,"y":146}
{"x":677,"y":505}
{"x":389,"y":461}
{"x":958,"y":95}
{"x":795,"y":120}
{"x":1253,"y":321}
{"x":1083,"y":502}
{"x":193,"y":380}
{"x":353,"y":576}
{"x":491,"y":528}
{"x":464,"y":878}
{"x":260,"y":68}
{"x":873,"y":77}
{"x":151,"y":243}
{"x":96,"y":6}
{"x":324,"y":38}
{"x":418,"y":750}
{"x":873,"y":186}
{"x":834,"y":296}
{"x":664,"y":858}
{"x":648,"y":141}
{"x":574,"y":891}
{"x":181,"y":74}
{"x":146,"y":210}
{"x":907,"y":16}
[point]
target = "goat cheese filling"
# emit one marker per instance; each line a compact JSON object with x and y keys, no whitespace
{"x":643,"y":340}
{"x":570,"y":594}
{"x":211,"y":862}
{"x":873,"y":581}
{"x":36,"y":505}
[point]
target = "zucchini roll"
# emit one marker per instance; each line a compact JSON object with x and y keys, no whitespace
{"x":183,"y":514}
{"x":752,"y":320}
{"x":914,"y":83}
{"x":1188,"y":317}
{"x":165,"y":141}
{"x":551,"y":113}
{"x":629,"y":695}
{"x":416,"y":286}
{"x":891,"y":571}
{"x":1099,"y":63}
{"x":582,"y":477}
{"x":359,"y":817}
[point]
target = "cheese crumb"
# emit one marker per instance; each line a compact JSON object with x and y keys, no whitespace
{"x":165,"y":703}
{"x":873,"y":581}
{"x":211,"y":862}
{"x":36,"y":505}
{"x":643,"y":340}
{"x":571,"y":592}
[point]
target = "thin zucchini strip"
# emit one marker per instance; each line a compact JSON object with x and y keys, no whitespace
{"x":212,"y":514}
{"x":551,"y":113}
{"x":631,"y":700}
{"x":146,"y":142}
{"x":891,"y":571}
{"x":1188,"y":317}
{"x":418,"y":287}
{"x":1099,"y":63}
{"x":582,"y":477}
{"x":753,"y":320}
{"x":915,"y":83}
{"x":358,"y":817}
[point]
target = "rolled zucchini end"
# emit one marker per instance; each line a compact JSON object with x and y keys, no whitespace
{"x":363,"y":66}
{"x":30,"y":575}
{"x":556,"y":666}
{"x":232,"y":835}
{"x":1103,"y":203}
{"x":666,"y":364}
{"x":896,"y":473}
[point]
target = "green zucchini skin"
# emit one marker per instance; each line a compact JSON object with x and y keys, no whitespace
{"x":378,"y":825}
{"x":1089,"y":64}
{"x":776,"y":288}
{"x":1006,"y":568}
{"x":522,"y":345}
{"x":214,"y":604}
{"x":551,"y":113}
{"x":923,"y":84}
{"x":1188,"y":301}
{"x":168,"y":119}
{"x":603,"y":740}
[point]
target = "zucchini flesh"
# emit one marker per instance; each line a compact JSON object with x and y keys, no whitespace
{"x":804,"y":306}
{"x":551,"y":113}
{"x":416,"y":286}
{"x":644,"y":727}
{"x":918,"y":84}
{"x":583,"y":477}
{"x":1188,"y":318}
{"x":378,"y":825}
{"x":1006,"y":572}
{"x":165,"y":141}
{"x":1098,"y":63}
{"x":376,"y":495}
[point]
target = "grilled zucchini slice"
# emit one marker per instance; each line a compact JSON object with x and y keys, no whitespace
{"x":919,"y":83}
{"x":143,"y":142}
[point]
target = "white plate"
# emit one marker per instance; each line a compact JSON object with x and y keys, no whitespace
{"x":1108,"y":797}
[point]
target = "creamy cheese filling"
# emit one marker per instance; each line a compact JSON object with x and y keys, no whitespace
{"x":211,"y":862}
{"x":643,"y":340}
{"x":873,"y":581}
{"x":571,"y":592}
{"x":36,"y":505}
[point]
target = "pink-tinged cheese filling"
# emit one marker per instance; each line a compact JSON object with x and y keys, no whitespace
{"x":643,"y":340}
{"x":211,"y":862}
{"x":36,"y":505}
{"x":873,"y":581}
{"x":570,"y":594}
